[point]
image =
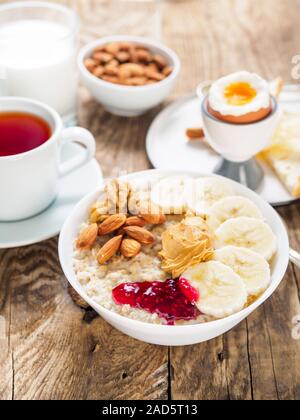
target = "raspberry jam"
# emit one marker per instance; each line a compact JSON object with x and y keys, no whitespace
{"x":173,"y":300}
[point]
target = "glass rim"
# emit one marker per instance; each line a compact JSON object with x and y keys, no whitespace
{"x":72,"y":15}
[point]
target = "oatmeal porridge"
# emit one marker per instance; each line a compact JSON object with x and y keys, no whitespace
{"x":138,"y":257}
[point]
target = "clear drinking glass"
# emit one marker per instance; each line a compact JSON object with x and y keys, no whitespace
{"x":38,"y":47}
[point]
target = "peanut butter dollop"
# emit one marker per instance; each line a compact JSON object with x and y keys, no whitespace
{"x":185,"y":244}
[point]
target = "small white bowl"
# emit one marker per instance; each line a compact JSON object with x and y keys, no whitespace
{"x":129,"y":101}
{"x":163,"y":334}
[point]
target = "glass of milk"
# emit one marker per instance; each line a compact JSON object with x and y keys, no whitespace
{"x":38,"y":46}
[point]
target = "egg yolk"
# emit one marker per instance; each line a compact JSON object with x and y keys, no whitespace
{"x":239,"y":93}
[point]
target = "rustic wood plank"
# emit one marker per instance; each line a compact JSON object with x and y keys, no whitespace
{"x":59,"y":356}
{"x":49,"y":351}
{"x":6,"y":355}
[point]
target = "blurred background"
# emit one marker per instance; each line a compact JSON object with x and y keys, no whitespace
{"x":212,"y":37}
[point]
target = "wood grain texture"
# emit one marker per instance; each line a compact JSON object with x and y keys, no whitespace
{"x":53,"y":350}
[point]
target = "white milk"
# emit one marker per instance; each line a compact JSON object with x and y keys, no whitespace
{"x":37,"y":60}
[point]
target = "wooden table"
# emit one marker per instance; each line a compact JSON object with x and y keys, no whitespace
{"x":51,"y":349}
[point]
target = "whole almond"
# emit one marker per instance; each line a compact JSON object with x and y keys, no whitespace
{"x":153,"y":67}
{"x":195,"y":133}
{"x":112,"y":47}
{"x":103,"y":57}
{"x":131,"y":70}
{"x":143,"y":55}
{"x":111,"y":79}
{"x":98,"y":71}
{"x":130,"y":248}
{"x":154,"y":75}
{"x":123,"y":56}
{"x":135,"y":81}
{"x":125,"y":46}
{"x":87,"y":237}
{"x":111,"y":224}
{"x":167,"y":71}
{"x":154,"y":219}
{"x":97,"y":216}
{"x":113,"y":62}
{"x":160,"y":61}
{"x":109,"y":249}
{"x":90,"y":64}
{"x":154,"y":216}
{"x":140,"y":234}
{"x":111,"y":70}
{"x":135,"y":221}
{"x":133,"y":54}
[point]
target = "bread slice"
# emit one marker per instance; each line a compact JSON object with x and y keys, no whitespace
{"x":284,"y":153}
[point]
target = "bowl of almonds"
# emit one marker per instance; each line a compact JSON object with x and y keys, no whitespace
{"x":128,"y":75}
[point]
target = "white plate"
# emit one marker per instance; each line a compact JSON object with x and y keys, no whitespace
{"x":169,"y":149}
{"x":49,"y":223}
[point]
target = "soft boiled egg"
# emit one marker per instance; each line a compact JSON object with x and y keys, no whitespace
{"x":240,"y":98}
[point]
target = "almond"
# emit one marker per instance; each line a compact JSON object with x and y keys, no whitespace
{"x":113,"y":62}
{"x":97,"y":216}
{"x":109,"y":249}
{"x":87,"y":237}
{"x":112,"y":223}
{"x":90,"y":64}
{"x":111,"y":70}
{"x":130,"y":248}
{"x":154,"y":216}
{"x":125,"y":46}
{"x":103,"y":57}
{"x":112,"y":47}
{"x":140,"y":234}
{"x":128,"y":70}
{"x":135,"y":81}
{"x":133,"y":54}
{"x":154,"y":75}
{"x":98,"y":71}
{"x":98,"y":212}
{"x":154,"y":219}
{"x":123,"y":56}
{"x":160,"y":61}
{"x":152,"y":67}
{"x":167,"y":71}
{"x":195,"y":133}
{"x":111,"y":79}
{"x":143,"y":55}
{"x":135,"y":221}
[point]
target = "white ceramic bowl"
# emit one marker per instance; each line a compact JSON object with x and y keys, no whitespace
{"x":173,"y":335}
{"x":128,"y":101}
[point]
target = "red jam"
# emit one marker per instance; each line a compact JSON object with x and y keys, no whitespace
{"x":173,"y":300}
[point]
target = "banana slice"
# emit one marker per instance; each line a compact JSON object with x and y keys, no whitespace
{"x":231,"y":208}
{"x":171,"y":194}
{"x":245,"y":232}
{"x":206,"y":192}
{"x":222,"y":291}
{"x":252,"y":268}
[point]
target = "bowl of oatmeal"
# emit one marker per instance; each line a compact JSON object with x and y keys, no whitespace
{"x":174,"y":258}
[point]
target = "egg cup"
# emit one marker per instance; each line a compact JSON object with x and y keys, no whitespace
{"x":238,"y":144}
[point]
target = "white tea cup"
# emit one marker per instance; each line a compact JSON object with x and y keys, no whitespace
{"x":29,"y":181}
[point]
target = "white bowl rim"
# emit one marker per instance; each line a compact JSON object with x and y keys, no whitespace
{"x":87,"y":49}
{"x":276,"y":277}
